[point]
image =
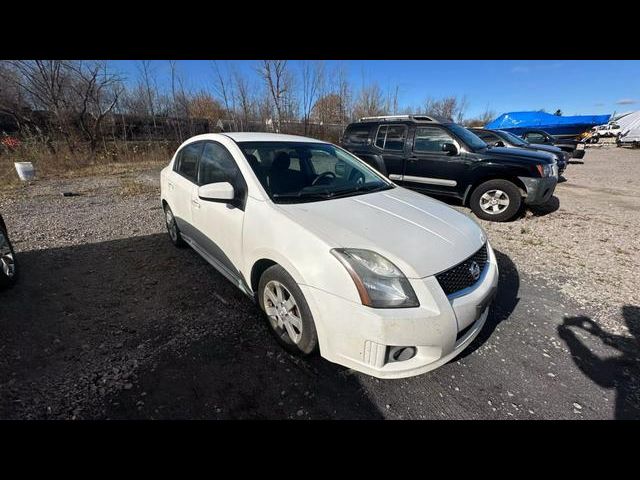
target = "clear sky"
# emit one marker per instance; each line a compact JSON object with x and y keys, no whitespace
{"x":577,"y":87}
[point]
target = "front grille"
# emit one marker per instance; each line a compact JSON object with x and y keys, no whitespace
{"x":459,"y":277}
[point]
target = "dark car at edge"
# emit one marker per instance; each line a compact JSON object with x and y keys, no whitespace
{"x":501,"y":138}
{"x":535,"y":136}
{"x":8,"y":268}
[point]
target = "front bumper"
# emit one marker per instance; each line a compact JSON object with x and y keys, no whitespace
{"x":578,"y":154}
{"x":362,"y":338}
{"x":539,"y":190}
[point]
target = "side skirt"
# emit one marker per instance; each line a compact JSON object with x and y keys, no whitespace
{"x":215,"y":263}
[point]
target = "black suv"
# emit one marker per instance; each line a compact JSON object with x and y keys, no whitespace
{"x":536,"y":136}
{"x":500,"y":138}
{"x":437,"y":156}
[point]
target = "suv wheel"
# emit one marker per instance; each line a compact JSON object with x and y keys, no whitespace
{"x":8,"y":266}
{"x":286,"y":309}
{"x":496,"y":200}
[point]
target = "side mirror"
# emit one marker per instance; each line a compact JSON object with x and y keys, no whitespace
{"x":450,"y":148}
{"x":217,"y":192}
{"x":499,"y":143}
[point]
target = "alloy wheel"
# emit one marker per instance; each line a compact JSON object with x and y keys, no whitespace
{"x":282,"y":310}
{"x":494,"y":202}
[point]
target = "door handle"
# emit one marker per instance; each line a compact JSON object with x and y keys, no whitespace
{"x":412,"y":159}
{"x":195,"y":203}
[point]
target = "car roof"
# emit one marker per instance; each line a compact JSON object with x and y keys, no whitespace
{"x":268,"y":137}
{"x":253,"y":137}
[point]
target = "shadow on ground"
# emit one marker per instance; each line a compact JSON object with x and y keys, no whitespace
{"x":620,"y":372}
{"x":504,"y":304}
{"x":135,"y":328}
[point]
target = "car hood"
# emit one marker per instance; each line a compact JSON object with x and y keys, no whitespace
{"x":546,"y":148}
{"x":420,"y":235}
{"x":525,"y":154}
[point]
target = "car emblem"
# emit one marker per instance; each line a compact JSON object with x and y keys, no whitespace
{"x":474,"y":270}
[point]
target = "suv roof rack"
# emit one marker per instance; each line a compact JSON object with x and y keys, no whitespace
{"x":414,"y":118}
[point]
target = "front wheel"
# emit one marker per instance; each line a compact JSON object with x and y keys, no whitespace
{"x":496,"y":200}
{"x":287,"y":311}
{"x":8,"y":265}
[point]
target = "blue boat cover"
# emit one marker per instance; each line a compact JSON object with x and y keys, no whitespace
{"x":541,"y":119}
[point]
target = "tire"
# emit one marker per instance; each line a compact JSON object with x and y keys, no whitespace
{"x":8,"y":262}
{"x":498,"y":190}
{"x":305,"y":338}
{"x":172,"y":228}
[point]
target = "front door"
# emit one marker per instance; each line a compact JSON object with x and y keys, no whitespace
{"x":219,"y":223}
{"x":429,"y":167}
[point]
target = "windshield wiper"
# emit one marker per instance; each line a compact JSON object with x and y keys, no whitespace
{"x":302,"y":195}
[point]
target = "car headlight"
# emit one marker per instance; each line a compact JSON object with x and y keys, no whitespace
{"x":379,"y":282}
{"x":546,"y":170}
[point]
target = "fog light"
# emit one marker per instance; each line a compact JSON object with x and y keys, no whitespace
{"x":400,"y":354}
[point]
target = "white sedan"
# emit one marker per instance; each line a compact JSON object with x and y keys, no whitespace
{"x":380,"y":279}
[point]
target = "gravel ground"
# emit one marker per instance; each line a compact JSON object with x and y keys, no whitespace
{"x":108,"y":322}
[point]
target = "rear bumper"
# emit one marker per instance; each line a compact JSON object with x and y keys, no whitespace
{"x":362,"y":338}
{"x":539,"y":190}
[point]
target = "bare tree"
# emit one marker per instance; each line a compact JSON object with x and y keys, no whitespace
{"x":370,"y":101}
{"x":46,"y":83}
{"x":97,"y":91}
{"x":278,"y":81}
{"x":312,"y":84}
{"x":223,"y":86}
{"x":245,"y":99}
{"x":482,"y":119}
{"x":149,"y":85}
{"x":452,"y":108}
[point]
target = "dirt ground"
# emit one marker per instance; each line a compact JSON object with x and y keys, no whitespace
{"x":108,"y":320}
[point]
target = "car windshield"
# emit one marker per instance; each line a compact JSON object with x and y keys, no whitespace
{"x":294,"y":172}
{"x":468,"y":137}
{"x":511,"y":138}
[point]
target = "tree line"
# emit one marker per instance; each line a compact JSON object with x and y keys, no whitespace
{"x":77,"y":104}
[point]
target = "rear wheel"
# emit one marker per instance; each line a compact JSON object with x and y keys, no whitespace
{"x":8,"y":266}
{"x":172,"y":228}
{"x":496,"y":200}
{"x":287,"y":311}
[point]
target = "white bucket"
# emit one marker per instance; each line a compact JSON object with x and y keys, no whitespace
{"x":25,"y":170}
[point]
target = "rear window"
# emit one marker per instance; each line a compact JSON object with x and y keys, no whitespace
{"x":356,"y":135}
{"x":391,"y":137}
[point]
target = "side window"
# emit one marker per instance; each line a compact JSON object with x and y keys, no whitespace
{"x":431,"y":139}
{"x":217,"y":165}
{"x":535,"y":137}
{"x":357,"y":135}
{"x":489,"y":138}
{"x":391,"y":137}
{"x":188,"y":161}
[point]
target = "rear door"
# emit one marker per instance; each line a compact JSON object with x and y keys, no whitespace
{"x":390,"y":141}
{"x":429,"y":167}
{"x":182,"y":183}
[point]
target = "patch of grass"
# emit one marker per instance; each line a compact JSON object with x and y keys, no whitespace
{"x":534,"y":242}
{"x":130,"y":187}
